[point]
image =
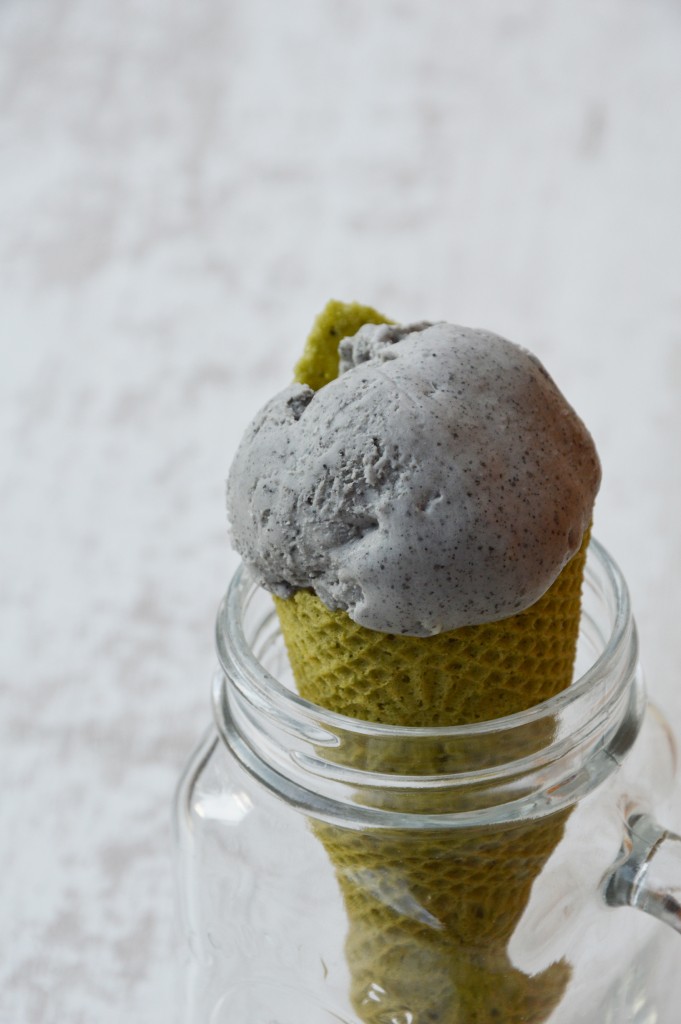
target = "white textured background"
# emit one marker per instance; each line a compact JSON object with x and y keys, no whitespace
{"x":182,"y":186}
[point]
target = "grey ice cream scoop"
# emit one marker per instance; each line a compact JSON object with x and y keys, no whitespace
{"x":441,"y":480}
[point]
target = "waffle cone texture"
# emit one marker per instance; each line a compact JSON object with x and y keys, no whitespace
{"x":430,"y":914}
{"x":467,"y":675}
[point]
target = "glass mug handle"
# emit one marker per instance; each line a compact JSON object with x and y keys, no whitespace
{"x":647,"y":873}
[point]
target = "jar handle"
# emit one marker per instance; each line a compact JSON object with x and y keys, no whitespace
{"x":647,"y":873}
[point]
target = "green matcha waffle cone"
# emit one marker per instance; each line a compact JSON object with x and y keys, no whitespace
{"x":430,"y":914}
{"x":467,"y":675}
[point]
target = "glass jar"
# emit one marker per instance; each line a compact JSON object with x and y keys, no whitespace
{"x":334,"y":870}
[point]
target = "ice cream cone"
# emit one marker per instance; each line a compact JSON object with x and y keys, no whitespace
{"x":430,"y":914}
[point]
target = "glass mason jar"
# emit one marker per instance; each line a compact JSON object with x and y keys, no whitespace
{"x":334,"y":870}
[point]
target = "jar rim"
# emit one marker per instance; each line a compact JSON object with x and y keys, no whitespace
{"x":342,"y":768}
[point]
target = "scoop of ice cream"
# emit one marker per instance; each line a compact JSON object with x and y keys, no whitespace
{"x":441,"y":480}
